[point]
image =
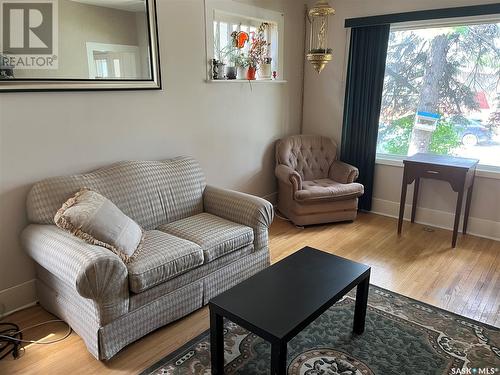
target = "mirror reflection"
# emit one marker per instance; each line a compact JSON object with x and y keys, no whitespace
{"x":94,"y":40}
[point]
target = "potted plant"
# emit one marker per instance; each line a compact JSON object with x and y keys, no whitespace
{"x":230,"y":56}
{"x":237,"y":57}
{"x":259,"y":53}
{"x":242,"y":63}
{"x":252,"y":68}
{"x":265,"y":70}
{"x":231,"y":71}
{"x":217,"y":69}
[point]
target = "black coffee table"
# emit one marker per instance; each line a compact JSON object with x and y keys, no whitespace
{"x":280,"y":301}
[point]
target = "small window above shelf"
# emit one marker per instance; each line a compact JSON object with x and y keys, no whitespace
{"x":246,"y":37}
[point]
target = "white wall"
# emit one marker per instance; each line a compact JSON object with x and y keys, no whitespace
{"x":230,"y":128}
{"x":323,"y":111}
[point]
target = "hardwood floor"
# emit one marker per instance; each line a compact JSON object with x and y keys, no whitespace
{"x":420,"y":264}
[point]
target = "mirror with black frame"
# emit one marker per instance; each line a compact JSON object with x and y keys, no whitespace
{"x":78,"y":45}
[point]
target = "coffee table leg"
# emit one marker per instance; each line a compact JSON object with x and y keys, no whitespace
{"x":360,"y":308}
{"x":278,"y":358}
{"x":217,"y":343}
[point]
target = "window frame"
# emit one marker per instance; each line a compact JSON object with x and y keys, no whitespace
{"x":482,"y":170}
{"x":233,"y":11}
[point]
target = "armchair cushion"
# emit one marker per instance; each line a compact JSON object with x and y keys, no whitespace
{"x":343,"y":172}
{"x":216,"y":236}
{"x":162,"y":258}
{"x":329,"y":190}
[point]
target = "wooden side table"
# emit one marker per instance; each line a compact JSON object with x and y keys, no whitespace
{"x":459,"y":172}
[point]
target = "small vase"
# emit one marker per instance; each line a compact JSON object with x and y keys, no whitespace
{"x":217,"y":70}
{"x":230,"y":72}
{"x":265,"y":71}
{"x":251,"y":73}
{"x":242,"y":72}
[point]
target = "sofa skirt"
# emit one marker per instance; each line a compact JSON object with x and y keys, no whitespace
{"x":103,"y":342}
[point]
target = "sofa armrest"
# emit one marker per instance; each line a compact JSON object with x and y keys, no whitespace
{"x":241,"y":208}
{"x":343,"y":172}
{"x":289,"y":176}
{"x":93,"y":271}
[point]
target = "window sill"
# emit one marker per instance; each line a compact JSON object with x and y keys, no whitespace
{"x":258,"y":81}
{"x":484,"y":171}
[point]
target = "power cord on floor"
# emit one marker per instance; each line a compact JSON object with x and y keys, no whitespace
{"x":11,"y":338}
{"x":278,"y":214}
{"x":11,"y":332}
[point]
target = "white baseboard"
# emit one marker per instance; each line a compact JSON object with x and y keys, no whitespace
{"x":440,"y":219}
{"x":17,"y":297}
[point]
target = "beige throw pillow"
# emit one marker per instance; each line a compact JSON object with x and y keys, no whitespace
{"x":95,"y":219}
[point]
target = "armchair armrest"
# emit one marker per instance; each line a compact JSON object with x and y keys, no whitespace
{"x":93,"y":271}
{"x":343,"y":172}
{"x":289,"y":176}
{"x":241,"y":208}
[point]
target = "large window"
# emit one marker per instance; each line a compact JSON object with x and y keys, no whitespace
{"x":441,"y":92}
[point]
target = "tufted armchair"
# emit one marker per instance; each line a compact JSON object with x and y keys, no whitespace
{"x":314,"y":187}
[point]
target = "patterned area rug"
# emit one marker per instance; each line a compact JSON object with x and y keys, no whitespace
{"x":402,"y":336}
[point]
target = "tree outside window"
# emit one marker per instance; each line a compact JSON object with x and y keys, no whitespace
{"x":452,"y":75}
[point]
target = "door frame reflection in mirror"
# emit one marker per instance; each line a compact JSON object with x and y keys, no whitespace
{"x":108,"y":50}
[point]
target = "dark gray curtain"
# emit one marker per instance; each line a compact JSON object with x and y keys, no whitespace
{"x":365,"y":80}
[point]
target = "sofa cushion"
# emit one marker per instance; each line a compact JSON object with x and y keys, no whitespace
{"x":96,"y":220}
{"x":328,"y":189}
{"x":215,"y":235}
{"x":162,"y":257}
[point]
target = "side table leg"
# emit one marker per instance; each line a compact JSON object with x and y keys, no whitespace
{"x":217,"y":343}
{"x":415,"y":199}
{"x":278,"y":358}
{"x":467,"y":207}
{"x":360,"y":307}
{"x":404,"y":187}
{"x":457,"y":217}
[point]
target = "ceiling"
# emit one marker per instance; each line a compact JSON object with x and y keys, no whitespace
{"x":129,"y":5}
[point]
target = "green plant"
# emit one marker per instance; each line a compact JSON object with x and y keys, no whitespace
{"x":398,"y":135}
{"x":444,"y":139}
{"x":241,"y":60}
{"x":493,"y":124}
{"x":233,"y":56}
{"x":226,"y":54}
{"x":396,"y":138}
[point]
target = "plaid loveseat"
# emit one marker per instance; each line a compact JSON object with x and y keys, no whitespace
{"x":199,"y":241}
